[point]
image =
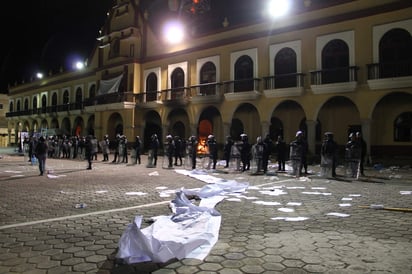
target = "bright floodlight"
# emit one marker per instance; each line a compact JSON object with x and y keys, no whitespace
{"x":278,"y":8}
{"x":174,"y":32}
{"x":39,"y":75}
{"x":79,"y":65}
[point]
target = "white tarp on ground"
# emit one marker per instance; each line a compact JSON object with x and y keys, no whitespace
{"x":190,"y":232}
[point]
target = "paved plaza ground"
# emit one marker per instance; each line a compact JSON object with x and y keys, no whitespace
{"x":281,"y":224}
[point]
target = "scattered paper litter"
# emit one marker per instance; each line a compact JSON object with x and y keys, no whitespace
{"x":267,"y":203}
{"x":338,"y":214}
{"x":346,"y":199}
{"x":135,"y":193}
{"x":405,"y":192}
{"x":344,"y":205}
{"x":290,"y":219}
{"x":101,"y":191}
{"x":154,"y":173}
{"x":284,"y":209}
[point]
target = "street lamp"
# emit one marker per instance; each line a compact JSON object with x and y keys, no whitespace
{"x":173,"y":32}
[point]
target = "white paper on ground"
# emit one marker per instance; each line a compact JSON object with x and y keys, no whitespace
{"x":190,"y":232}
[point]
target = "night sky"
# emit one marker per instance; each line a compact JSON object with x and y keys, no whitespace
{"x":45,"y":35}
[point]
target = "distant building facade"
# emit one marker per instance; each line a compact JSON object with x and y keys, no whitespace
{"x":341,"y":68}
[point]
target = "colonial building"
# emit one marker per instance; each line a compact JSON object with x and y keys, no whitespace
{"x":336,"y":65}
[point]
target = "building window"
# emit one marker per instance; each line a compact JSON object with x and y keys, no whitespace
{"x":177,"y":80}
{"x":395,"y":55}
{"x":92,"y":91}
{"x":403,"y":127}
{"x":208,"y":75}
{"x":26,"y":104}
{"x":335,"y":62}
{"x":11,"y":107}
{"x":18,"y":106}
{"x":244,"y":74}
{"x":35,"y":102}
{"x":285,"y":68}
{"x":79,"y":98}
{"x":151,"y":87}
{"x":54,"y":102}
{"x":66,"y":98}
{"x":43,"y":103}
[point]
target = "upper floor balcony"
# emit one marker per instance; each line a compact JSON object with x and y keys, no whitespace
{"x":335,"y":80}
{"x":281,"y":85}
{"x":244,"y":89}
{"x":389,"y":75}
{"x":110,"y":101}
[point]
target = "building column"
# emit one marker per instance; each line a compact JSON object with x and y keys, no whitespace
{"x":366,"y":135}
{"x":226,"y":130}
{"x":264,"y":129}
{"x":193,"y":130}
{"x":311,"y":135}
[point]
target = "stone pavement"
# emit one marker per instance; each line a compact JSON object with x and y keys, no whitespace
{"x":280,"y":225}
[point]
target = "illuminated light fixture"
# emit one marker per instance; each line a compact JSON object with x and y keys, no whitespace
{"x":39,"y":75}
{"x":278,"y":8}
{"x":174,"y":32}
{"x":79,"y":65}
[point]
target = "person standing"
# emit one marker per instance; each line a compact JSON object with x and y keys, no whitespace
{"x":363,"y":147}
{"x":227,"y":150}
{"x":123,"y":149}
{"x":296,"y":154}
{"x":281,"y":148}
{"x":170,"y":150}
{"x":268,"y":147}
{"x":352,"y":155}
{"x":105,"y":144}
{"x":40,"y":151}
{"x":116,"y":149}
{"x":305,"y":149}
{"x":178,"y":150}
{"x":192,"y":150}
{"x":245,"y":149}
{"x":154,"y":146}
{"x":212,"y":145}
{"x":328,"y":153}
{"x":88,"y":147}
{"x":137,"y":147}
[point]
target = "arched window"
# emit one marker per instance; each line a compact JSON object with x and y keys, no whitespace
{"x":395,"y":54}
{"x":244,"y":74}
{"x":18,"y":106}
{"x":11,"y":107}
{"x":208,"y":75}
{"x":92,"y":91}
{"x":285,"y":68}
{"x":178,"y":82}
{"x":151,"y":87}
{"x":34,"y":106}
{"x":43,"y":103}
{"x":26,"y":104}
{"x":66,"y":98}
{"x":79,"y":98}
{"x":54,"y":102}
{"x":403,"y":127}
{"x":335,"y":62}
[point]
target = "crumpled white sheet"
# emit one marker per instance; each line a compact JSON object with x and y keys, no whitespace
{"x":190,"y":232}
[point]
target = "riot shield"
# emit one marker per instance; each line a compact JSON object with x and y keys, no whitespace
{"x":235,"y":162}
{"x":326,"y":163}
{"x":167,"y":161}
{"x":256,"y":163}
{"x":150,"y":159}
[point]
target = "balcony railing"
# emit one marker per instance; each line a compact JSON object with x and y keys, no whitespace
{"x":206,"y":89}
{"x":334,"y":75}
{"x":242,"y":85}
{"x":389,"y":70}
{"x":290,"y":80}
{"x":110,"y":98}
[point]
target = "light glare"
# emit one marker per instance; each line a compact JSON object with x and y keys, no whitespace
{"x":174,"y":32}
{"x":279,"y":8}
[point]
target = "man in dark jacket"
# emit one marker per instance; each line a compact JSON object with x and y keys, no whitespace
{"x":89,"y":151}
{"x":40,"y":151}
